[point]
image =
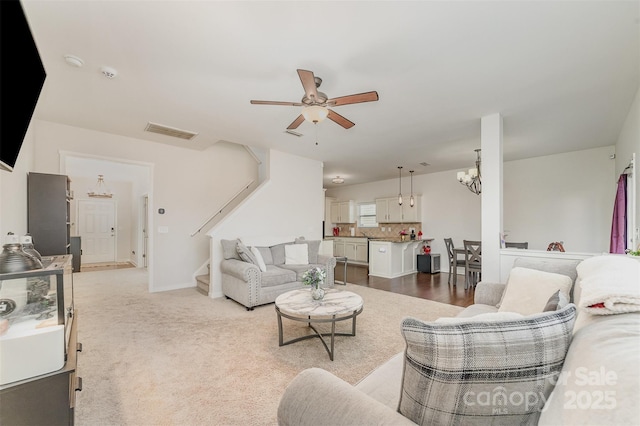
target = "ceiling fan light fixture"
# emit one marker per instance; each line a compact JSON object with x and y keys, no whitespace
{"x":337,"y":180}
{"x":315,"y":113}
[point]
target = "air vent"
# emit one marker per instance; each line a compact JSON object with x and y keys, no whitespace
{"x":169,"y":131}
{"x":291,"y":132}
{"x":425,"y":164}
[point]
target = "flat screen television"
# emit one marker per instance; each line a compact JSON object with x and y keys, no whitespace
{"x":22,"y":76}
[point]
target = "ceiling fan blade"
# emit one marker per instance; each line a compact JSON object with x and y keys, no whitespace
{"x":276,"y":103}
{"x":334,"y":116}
{"x":354,"y":99}
{"x":298,"y":121}
{"x":309,"y":84}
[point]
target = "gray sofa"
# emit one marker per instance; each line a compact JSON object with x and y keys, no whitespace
{"x":599,"y":382}
{"x":244,"y":281}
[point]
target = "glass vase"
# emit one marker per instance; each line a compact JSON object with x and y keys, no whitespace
{"x":317,"y":292}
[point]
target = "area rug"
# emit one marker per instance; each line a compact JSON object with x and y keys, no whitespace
{"x":181,"y":358}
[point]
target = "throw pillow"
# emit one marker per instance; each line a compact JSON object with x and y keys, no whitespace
{"x":528,"y":290}
{"x":229,"y":249}
{"x":491,"y":316}
{"x":245,"y":254}
{"x":493,"y":372}
{"x":314,"y":248}
{"x":296,"y":254}
{"x":259,"y":259}
{"x":555,"y":302}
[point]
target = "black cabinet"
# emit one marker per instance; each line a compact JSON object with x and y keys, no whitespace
{"x":429,"y":263}
{"x":48,"y":399}
{"x":49,"y":208}
{"x":76,"y":250}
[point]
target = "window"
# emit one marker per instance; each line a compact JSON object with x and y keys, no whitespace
{"x":367,"y":215}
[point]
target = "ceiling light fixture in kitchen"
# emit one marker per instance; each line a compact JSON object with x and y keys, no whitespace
{"x":472,"y":179}
{"x":412,"y":202}
{"x":337,"y":180}
{"x":400,"y":185}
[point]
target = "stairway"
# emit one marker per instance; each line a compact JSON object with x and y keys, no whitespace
{"x":203,"y":283}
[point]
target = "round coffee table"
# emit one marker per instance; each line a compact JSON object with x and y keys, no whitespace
{"x":337,"y":305}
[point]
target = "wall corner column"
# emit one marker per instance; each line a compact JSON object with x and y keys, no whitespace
{"x":491,"y":172}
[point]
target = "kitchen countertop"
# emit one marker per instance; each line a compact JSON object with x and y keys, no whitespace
{"x":383,"y":239}
{"x":398,"y":240}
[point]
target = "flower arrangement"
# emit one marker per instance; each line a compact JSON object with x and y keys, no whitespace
{"x":403,"y":232}
{"x":314,"y":277}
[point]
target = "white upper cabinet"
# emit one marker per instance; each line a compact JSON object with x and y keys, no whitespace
{"x":343,"y":212}
{"x":412,"y":214}
{"x":389,"y":211}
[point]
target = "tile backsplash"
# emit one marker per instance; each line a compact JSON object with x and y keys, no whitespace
{"x":390,"y":230}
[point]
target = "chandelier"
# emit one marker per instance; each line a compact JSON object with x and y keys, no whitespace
{"x":100,"y":190}
{"x":472,"y":178}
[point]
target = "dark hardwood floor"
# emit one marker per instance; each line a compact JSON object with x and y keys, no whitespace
{"x":426,"y":286}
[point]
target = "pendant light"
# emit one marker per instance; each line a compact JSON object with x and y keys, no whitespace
{"x":412,"y":202}
{"x":400,"y":185}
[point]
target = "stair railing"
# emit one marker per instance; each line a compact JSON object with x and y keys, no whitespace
{"x":219,"y":211}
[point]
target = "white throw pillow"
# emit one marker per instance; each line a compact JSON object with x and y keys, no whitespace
{"x":488,"y":317}
{"x":259,"y":259}
{"x":528,"y":290}
{"x":296,"y":254}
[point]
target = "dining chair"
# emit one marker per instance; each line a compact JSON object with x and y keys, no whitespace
{"x":454,"y":262}
{"x":472,"y":262}
{"x":524,"y":245}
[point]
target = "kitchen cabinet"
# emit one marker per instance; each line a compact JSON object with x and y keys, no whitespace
{"x":356,"y":250}
{"x":362,"y":252}
{"x":389,"y":211}
{"x":48,"y":213}
{"x":393,"y":259}
{"x":343,"y":212}
{"x":412,"y":214}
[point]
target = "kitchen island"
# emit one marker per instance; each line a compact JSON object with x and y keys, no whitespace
{"x":391,"y":258}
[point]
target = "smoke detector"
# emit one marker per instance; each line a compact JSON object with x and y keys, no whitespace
{"x":109,"y":72}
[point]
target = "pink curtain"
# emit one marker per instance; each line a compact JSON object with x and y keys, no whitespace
{"x":619,"y":224}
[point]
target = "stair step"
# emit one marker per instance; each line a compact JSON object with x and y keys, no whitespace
{"x":203,"y":284}
{"x":203,"y":278}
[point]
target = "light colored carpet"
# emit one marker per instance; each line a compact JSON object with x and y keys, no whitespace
{"x":181,"y":358}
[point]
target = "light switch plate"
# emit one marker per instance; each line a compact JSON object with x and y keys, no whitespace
{"x":163,"y":229}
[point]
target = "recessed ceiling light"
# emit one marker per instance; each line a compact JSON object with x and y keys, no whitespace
{"x":74,"y":61}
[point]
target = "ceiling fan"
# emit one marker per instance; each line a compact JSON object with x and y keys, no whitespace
{"x":316,"y":104}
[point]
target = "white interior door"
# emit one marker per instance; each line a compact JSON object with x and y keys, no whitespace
{"x":96,"y":226}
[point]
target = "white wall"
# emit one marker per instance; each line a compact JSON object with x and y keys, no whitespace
{"x":190,"y":185}
{"x":289,"y":204}
{"x":565,"y":197}
{"x":629,"y":144}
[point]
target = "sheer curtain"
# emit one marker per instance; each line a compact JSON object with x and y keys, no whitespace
{"x":619,"y":224}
